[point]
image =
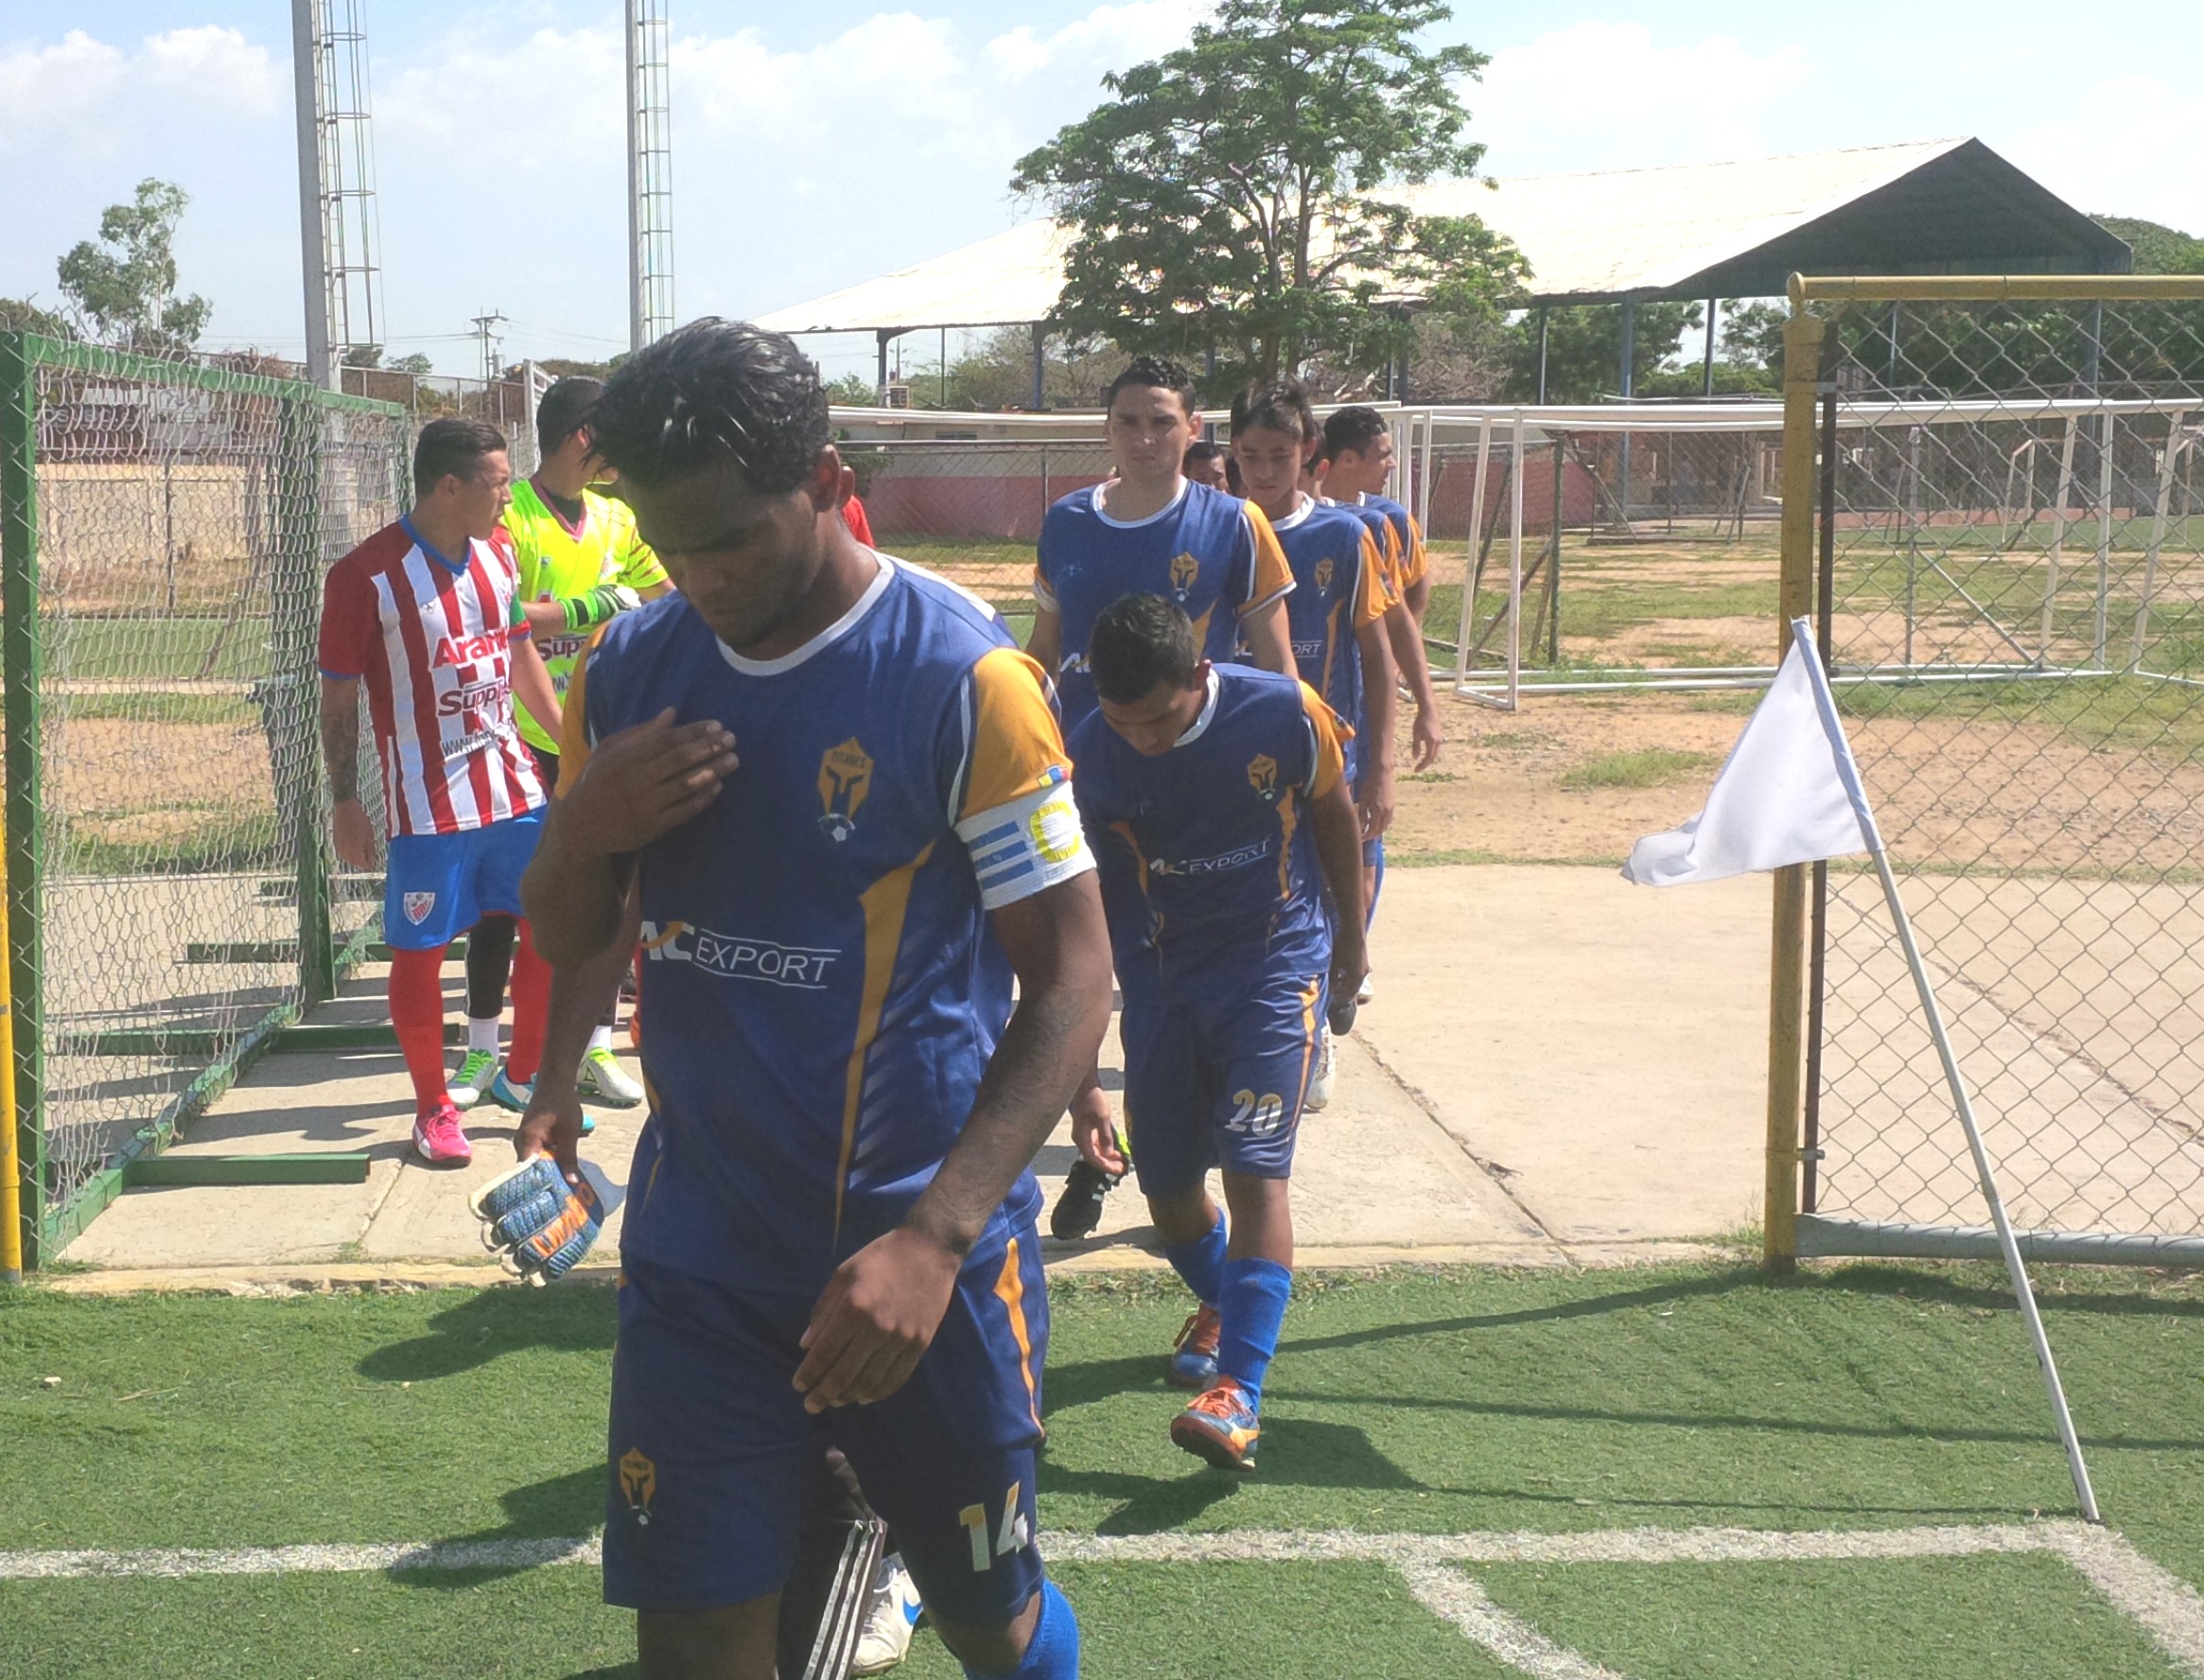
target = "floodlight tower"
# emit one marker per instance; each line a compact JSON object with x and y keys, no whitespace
{"x":338,"y":231}
{"x":650,"y":172}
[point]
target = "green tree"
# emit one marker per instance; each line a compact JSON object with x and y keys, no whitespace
{"x":851,"y":390}
{"x":1583,"y":350}
{"x":123,"y":285}
{"x":1230,"y":194}
{"x":2159,"y":249}
{"x":415,"y":364}
{"x":22,"y":315}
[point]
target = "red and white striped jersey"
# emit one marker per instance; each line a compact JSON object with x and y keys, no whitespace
{"x":430,"y":639}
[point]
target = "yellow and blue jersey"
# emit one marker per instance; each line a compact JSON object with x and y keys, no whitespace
{"x":1208,"y":859}
{"x":822,"y":988}
{"x":1404,"y":557}
{"x":1213,"y":554}
{"x":1339,"y":586}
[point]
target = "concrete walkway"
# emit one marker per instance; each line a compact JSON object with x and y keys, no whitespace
{"x":1558,"y":1069}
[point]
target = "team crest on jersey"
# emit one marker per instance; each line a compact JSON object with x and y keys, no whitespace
{"x":638,"y":1481}
{"x":1184,"y":569}
{"x":844,"y":779}
{"x":1324,"y":574}
{"x":418,"y":905}
{"x":1263,"y":776}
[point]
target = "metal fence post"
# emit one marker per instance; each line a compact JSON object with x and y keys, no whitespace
{"x":1802,"y":354}
{"x":20,"y":654}
{"x":297,"y":609}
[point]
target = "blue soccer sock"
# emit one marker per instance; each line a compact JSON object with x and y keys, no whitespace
{"x":1052,"y":1652}
{"x":1201,"y":1264}
{"x":1253,"y":1308}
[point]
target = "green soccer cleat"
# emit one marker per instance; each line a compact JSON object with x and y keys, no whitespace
{"x":472,"y":1083}
{"x":607,"y":1082}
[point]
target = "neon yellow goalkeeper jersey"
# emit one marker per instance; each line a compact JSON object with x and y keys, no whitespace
{"x":559,"y":561}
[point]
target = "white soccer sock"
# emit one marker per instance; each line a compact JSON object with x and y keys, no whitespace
{"x":599,"y":1039}
{"x":482,"y":1035}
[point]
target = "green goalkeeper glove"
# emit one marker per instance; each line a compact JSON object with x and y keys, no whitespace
{"x":607,"y":601}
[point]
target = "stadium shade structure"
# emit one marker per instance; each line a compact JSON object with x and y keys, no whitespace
{"x":1700,"y":232}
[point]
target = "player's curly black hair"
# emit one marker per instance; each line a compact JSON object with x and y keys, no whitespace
{"x":1281,"y":406}
{"x":1153,"y":372}
{"x":1353,"y":428}
{"x":715,"y":391}
{"x":1139,"y":641}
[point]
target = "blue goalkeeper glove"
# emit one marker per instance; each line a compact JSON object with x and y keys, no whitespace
{"x":607,"y":601}
{"x":538,"y":1225}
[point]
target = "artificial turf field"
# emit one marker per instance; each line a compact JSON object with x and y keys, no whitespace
{"x":1429,"y":1421}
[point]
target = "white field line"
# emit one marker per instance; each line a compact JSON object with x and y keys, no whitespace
{"x":2168,"y":1608}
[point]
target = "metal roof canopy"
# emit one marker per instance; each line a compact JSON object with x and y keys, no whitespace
{"x":1692,"y":230}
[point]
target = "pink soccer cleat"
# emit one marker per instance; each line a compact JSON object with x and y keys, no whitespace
{"x":439,"y":1140}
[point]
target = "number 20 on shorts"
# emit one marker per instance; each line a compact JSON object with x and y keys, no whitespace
{"x":1258,"y":1116}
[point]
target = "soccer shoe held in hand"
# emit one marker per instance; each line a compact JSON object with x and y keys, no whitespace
{"x":538,"y":1225}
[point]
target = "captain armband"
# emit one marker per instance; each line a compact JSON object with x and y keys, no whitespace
{"x":1027,"y":844}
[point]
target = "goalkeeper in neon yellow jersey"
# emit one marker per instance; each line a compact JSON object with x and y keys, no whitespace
{"x":580,"y":563}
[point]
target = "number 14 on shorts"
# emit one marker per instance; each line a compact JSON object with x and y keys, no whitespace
{"x":1014,"y":1535}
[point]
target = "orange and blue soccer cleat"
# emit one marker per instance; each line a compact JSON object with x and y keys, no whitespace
{"x":1194,"y":1354}
{"x":1220,"y":1424}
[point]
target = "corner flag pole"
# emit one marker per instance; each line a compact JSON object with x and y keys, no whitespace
{"x":1849,"y":771}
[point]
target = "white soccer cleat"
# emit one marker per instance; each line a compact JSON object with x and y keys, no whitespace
{"x":1319,"y":1085}
{"x":890,"y":1619}
{"x":605,"y":1079}
{"x":1365,"y":992}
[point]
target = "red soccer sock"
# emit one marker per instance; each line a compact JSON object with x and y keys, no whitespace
{"x":531,"y":1010}
{"x":417,"y":1012}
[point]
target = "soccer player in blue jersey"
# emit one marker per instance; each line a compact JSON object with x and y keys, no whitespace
{"x":1216,"y":798}
{"x":834,"y":793}
{"x":1337,"y":611}
{"x":1150,"y":528}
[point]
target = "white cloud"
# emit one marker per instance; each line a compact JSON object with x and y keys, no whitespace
{"x":1108,"y":38}
{"x":42,"y":86}
{"x":1601,"y":96}
{"x":88,"y":97}
{"x":2123,"y":147}
{"x":215,"y":67}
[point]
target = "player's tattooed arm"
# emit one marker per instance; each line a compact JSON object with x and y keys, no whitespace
{"x":880,"y":1310}
{"x":1416,"y":671}
{"x":636,"y":785}
{"x":1267,"y":638}
{"x":1339,"y":834}
{"x":354,"y":837}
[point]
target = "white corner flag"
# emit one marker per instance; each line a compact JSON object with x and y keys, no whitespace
{"x":1789,"y":793}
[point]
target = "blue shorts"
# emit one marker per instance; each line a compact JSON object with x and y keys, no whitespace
{"x":439,"y":885}
{"x":1216,"y":1077}
{"x":710,"y":1444}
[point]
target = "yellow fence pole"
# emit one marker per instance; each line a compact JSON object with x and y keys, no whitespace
{"x":10,"y":1156}
{"x":1802,"y":355}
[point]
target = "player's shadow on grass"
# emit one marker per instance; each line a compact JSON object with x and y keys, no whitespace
{"x":492,"y":1323}
{"x":551,"y":1508}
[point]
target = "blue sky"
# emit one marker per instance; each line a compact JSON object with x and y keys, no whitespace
{"x":815,"y":146}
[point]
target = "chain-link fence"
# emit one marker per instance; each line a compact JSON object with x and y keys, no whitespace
{"x":2011,"y":597}
{"x":164,"y":529}
{"x":971,"y":508}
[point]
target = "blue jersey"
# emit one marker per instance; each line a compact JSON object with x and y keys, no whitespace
{"x":1338,"y":587}
{"x":1213,"y":554}
{"x":1405,"y":559}
{"x":1207,"y":854}
{"x":822,"y":989}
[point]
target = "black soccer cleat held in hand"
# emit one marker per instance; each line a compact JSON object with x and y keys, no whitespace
{"x":1079,"y":1210}
{"x":1340,"y":1016}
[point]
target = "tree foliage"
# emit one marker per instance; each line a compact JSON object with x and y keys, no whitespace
{"x":2159,"y":249}
{"x":124,"y":283}
{"x":1232,"y":195}
{"x":22,"y":315}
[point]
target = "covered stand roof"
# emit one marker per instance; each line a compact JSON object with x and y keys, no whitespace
{"x":1691,"y":231}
